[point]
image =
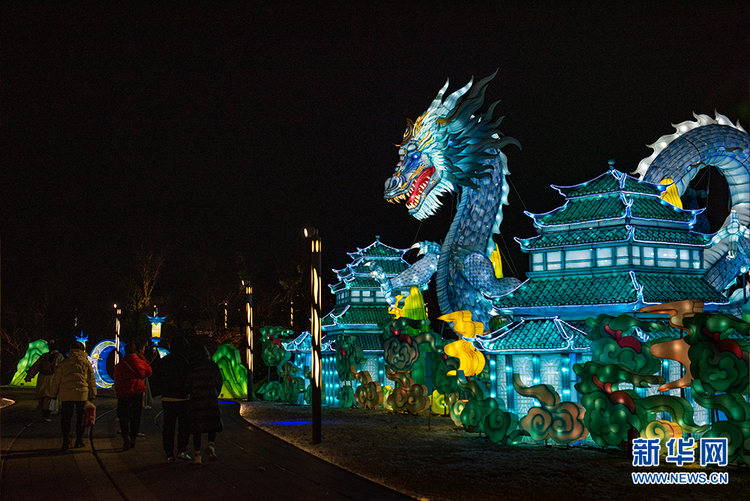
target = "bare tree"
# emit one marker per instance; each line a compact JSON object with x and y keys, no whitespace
{"x":24,"y":324}
{"x":148,"y":264}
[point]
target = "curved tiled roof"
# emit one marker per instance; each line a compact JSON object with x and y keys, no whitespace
{"x":390,"y":266}
{"x":567,"y":238}
{"x":578,"y":210}
{"x":613,"y":206}
{"x":378,"y":249}
{"x":357,"y":315}
{"x":619,"y":234}
{"x":614,"y":288}
{"x":646,"y":207}
{"x":571,"y":291}
{"x":537,"y":334}
{"x":610,"y":181}
{"x":671,"y":236}
{"x":663,"y":288}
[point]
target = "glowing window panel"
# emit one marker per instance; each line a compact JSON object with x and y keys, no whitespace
{"x":581,"y":258}
{"x":622,"y":256}
{"x":554,"y":260}
{"x":604,"y":256}
{"x":636,"y":256}
{"x":648,"y":256}
{"x":684,"y":258}
{"x":537,"y":261}
{"x":667,"y":257}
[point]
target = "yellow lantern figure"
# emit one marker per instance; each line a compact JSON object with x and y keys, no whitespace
{"x":671,"y":195}
{"x":497,"y":262}
{"x":471,"y":361}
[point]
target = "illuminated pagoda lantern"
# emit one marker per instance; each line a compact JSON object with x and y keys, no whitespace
{"x":156,"y":323}
{"x":615,"y":246}
{"x":360,"y":307}
{"x":82,"y":339}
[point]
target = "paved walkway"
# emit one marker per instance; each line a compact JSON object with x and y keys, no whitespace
{"x":252,"y":464}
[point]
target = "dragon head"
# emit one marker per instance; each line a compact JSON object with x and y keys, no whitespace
{"x":446,"y":147}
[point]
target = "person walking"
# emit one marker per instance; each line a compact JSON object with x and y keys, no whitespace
{"x":73,"y":384}
{"x":45,"y":366}
{"x":129,"y":387}
{"x":150,"y":353}
{"x":205,"y":384}
{"x":170,"y":379}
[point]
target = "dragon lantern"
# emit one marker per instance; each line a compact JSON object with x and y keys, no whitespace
{"x":453,"y":147}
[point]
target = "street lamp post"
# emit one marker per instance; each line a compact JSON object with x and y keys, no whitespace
{"x":118,"y":311}
{"x":315,"y":330}
{"x":249,"y":335}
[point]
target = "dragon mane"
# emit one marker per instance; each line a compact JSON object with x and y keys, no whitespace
{"x":468,"y":142}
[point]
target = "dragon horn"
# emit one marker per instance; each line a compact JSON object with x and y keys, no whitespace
{"x":439,"y":98}
{"x":453,"y":98}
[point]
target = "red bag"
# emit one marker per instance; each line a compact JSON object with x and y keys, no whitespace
{"x":89,"y":414}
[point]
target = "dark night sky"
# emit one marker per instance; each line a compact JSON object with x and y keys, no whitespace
{"x":226,"y":130}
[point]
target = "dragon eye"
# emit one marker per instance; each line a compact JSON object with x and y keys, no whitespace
{"x":415,"y":156}
{"x":411,"y":146}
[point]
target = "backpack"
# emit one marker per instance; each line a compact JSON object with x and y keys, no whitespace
{"x":49,"y":364}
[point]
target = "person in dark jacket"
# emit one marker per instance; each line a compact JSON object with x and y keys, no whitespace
{"x":129,"y":387}
{"x":170,"y":380}
{"x":205,"y":386}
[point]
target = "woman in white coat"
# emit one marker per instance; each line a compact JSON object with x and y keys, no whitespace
{"x":73,"y":384}
{"x":45,"y":367}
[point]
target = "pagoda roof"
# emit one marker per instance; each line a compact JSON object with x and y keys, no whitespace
{"x":356,"y":315}
{"x":356,"y":282}
{"x":377,"y":249}
{"x":568,"y":238}
{"x":329,"y":319}
{"x":303,"y":342}
{"x":671,"y":236}
{"x":607,"y":206}
{"x":390,"y":266}
{"x":536,"y":335}
{"x":611,"y":288}
{"x":357,"y":274}
{"x":610,"y":182}
{"x":618,"y":234}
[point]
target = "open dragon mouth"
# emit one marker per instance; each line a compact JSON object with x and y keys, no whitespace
{"x":414,"y":195}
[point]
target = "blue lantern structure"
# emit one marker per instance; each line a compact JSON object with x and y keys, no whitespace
{"x":98,"y":359}
{"x":82,"y":339}
{"x":156,"y":322}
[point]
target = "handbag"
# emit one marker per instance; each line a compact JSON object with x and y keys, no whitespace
{"x":89,"y":414}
